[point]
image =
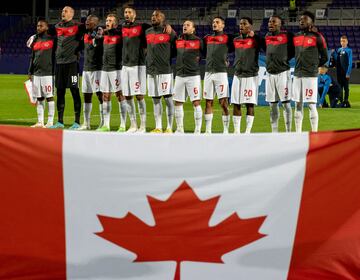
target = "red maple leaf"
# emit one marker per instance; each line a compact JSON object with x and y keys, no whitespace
{"x":181,"y":231}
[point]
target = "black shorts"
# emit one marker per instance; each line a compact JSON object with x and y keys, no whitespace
{"x":67,"y":75}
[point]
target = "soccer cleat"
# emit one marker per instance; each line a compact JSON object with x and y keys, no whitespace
{"x":38,"y":125}
{"x":58,"y":125}
{"x":141,"y":130}
{"x":74,"y":126}
{"x":156,"y":130}
{"x":103,"y":129}
{"x":168,"y":130}
{"x":132,"y":130}
{"x":84,"y":127}
{"x":121,"y":129}
{"x":49,"y":124}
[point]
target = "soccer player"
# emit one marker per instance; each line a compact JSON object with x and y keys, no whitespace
{"x":69,"y":36}
{"x":133,"y":74}
{"x":41,"y":71}
{"x":310,"y":53}
{"x":217,"y":47}
{"x":111,"y":73}
{"x":342,"y":59}
{"x":160,"y":48}
{"x":92,"y":70}
{"x":188,"y":80}
{"x":245,"y":84}
{"x":279,"y":51}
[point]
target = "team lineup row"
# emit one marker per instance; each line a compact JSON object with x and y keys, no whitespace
{"x":133,"y":57}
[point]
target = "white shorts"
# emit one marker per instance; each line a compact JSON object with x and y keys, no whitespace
{"x":278,"y":87}
{"x":305,"y":89}
{"x":187,"y":86}
{"x":133,"y":80}
{"x":245,"y":90}
{"x":217,"y":81}
{"x":160,"y":85}
{"x":90,"y":81}
{"x":110,"y":81}
{"x":43,"y":86}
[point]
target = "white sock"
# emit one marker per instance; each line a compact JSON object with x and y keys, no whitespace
{"x":249,"y":123}
{"x":226,"y":121}
{"x":51,"y":113}
{"x":198,"y":118}
{"x":274,"y":117}
{"x":40,"y":108}
{"x":179,"y":117}
{"x":314,"y":117}
{"x":298,"y":116}
{"x":107,"y":110}
{"x":169,"y":111}
{"x":287,"y":116}
{"x":132,"y":112}
{"x":87,"y":112}
{"x":142,"y":112}
{"x":101,"y":111}
{"x":237,"y":124}
{"x":208,"y":122}
{"x":157,"y":112}
{"x":123,"y":109}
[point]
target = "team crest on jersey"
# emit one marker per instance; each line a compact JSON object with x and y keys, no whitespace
{"x":161,"y":38}
{"x":249,"y":43}
{"x":46,"y":45}
{"x":310,"y":41}
{"x":71,"y":30}
{"x":113,"y":39}
{"x":192,"y":44}
{"x":134,"y":31}
{"x":280,"y":39}
{"x":221,"y":39}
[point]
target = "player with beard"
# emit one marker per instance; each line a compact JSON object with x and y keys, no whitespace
{"x":41,"y":71}
{"x":217,"y":46}
{"x":188,"y":80}
{"x":133,"y":74}
{"x":279,"y":51}
{"x":92,"y":70}
{"x":310,"y":53}
{"x":160,"y":48}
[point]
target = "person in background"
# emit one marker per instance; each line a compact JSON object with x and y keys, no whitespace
{"x":342,"y":60}
{"x":327,"y":86}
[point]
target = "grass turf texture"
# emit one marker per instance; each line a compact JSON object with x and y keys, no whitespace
{"x":15,"y":109}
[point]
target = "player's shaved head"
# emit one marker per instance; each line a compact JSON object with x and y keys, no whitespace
{"x":157,"y":18}
{"x":91,"y":22}
{"x":67,"y":13}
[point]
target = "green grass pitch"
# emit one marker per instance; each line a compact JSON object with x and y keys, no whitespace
{"x":15,"y":109}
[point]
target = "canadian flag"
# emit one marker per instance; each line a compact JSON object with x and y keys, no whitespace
{"x":87,"y":205}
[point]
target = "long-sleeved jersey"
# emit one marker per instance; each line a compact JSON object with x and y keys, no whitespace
{"x":92,"y":53}
{"x":112,"y":50}
{"x":310,"y":53}
{"x":160,"y":47}
{"x":247,"y":55}
{"x":189,"y":48}
{"x":217,"y":47}
{"x":134,"y":43}
{"x":279,"y":51}
{"x":342,"y":59}
{"x":42,"y":56}
{"x":69,"y":36}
